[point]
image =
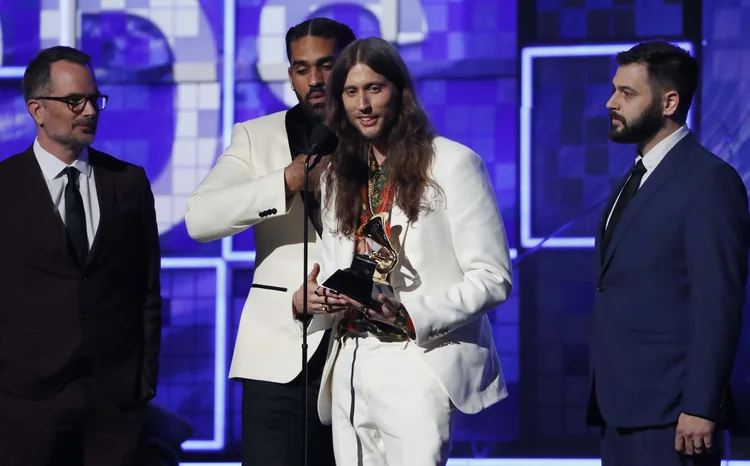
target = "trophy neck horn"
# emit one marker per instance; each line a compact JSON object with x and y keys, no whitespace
{"x":375,"y":230}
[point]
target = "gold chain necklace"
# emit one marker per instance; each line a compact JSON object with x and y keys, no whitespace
{"x":371,"y":186}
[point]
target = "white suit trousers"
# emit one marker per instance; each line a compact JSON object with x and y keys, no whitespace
{"x":388,"y":406}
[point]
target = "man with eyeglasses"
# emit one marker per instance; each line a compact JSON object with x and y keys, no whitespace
{"x":80,"y":303}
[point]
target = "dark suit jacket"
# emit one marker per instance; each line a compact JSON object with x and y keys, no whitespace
{"x":670,"y":292}
{"x":55,"y":312}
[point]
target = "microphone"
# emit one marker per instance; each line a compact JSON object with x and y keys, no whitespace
{"x":324,"y":142}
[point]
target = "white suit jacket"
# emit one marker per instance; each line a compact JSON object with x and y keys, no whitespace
{"x":244,"y":189}
{"x":454,"y":266}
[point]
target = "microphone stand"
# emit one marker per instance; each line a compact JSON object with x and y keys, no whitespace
{"x":305,"y":315}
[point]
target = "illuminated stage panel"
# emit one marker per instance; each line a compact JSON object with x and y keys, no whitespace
{"x":240,"y":279}
{"x":193,"y":370}
{"x":21,"y":36}
{"x":17,"y":129}
{"x":11,"y":73}
{"x":437,"y":31}
{"x":568,"y":164}
{"x":145,"y":124}
{"x":186,"y":35}
{"x":610,"y":20}
{"x":481,"y":114}
{"x":438,"y":40}
{"x":159,"y":63}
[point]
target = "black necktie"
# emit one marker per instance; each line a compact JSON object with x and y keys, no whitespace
{"x":75,"y":217}
{"x":628,"y":191}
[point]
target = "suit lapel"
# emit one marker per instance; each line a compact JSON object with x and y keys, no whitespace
{"x":105,"y":188}
{"x":299,"y":124}
{"x":661,"y":175}
{"x":399,"y":227}
{"x":39,"y":202}
{"x":603,"y":220}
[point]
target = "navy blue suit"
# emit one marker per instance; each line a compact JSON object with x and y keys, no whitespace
{"x":670,"y":291}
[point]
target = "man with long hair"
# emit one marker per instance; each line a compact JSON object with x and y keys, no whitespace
{"x":398,"y":370}
{"x":258,"y":182}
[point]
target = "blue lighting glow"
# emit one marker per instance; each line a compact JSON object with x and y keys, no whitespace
{"x":69,"y":25}
{"x":12,"y":72}
{"x":220,"y":376}
{"x":528,"y":54}
{"x":228,"y":84}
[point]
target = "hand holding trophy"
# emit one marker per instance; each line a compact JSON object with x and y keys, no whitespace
{"x":362,"y":281}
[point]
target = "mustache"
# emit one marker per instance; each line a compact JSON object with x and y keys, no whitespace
{"x":615,"y":116}
{"x":89,"y":123}
{"x":315,"y":91}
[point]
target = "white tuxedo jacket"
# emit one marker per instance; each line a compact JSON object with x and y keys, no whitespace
{"x":244,"y":189}
{"x":454,"y":266}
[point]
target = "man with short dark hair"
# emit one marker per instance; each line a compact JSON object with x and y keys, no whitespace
{"x":258,"y":182}
{"x":80,"y":303}
{"x":672,"y":251}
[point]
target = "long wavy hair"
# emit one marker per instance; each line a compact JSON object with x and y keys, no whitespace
{"x":408,"y":138}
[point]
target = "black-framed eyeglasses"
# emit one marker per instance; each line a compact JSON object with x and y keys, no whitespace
{"x":76,"y":102}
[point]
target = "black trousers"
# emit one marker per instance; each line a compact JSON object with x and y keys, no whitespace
{"x":273,"y":420}
{"x":78,"y":426}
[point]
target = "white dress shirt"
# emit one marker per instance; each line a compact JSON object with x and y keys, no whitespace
{"x":653,"y":157}
{"x":52,"y":169}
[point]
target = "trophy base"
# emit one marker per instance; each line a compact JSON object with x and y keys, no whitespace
{"x":353,"y":285}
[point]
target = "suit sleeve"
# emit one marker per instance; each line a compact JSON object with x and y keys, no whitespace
{"x":232,"y":197}
{"x":717,"y":232}
{"x":480,"y":246}
{"x":152,"y":303}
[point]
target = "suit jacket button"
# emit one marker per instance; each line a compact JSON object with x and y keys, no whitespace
{"x":600,"y":287}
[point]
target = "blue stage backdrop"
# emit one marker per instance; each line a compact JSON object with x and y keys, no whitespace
{"x":725,"y":127}
{"x":180,"y":73}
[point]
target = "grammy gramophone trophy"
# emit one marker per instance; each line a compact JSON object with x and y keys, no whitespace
{"x":360,"y":280}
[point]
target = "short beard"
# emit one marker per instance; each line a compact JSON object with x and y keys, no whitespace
{"x":71,"y":142}
{"x":641,"y":129}
{"x":383,"y":135}
{"x":318,"y":110}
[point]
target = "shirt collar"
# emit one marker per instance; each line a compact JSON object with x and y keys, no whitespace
{"x":660,"y":150}
{"x":52,"y":167}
